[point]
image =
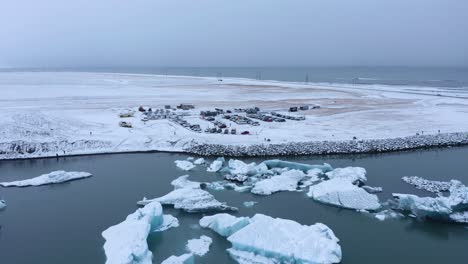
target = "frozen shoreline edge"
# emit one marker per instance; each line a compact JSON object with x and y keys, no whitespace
{"x":26,"y":150}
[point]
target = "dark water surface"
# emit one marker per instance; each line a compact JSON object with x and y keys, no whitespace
{"x":63,"y":223}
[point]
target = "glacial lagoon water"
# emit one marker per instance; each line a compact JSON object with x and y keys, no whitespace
{"x":63,"y":223}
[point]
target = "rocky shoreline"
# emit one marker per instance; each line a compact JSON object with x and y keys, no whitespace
{"x":332,"y":147}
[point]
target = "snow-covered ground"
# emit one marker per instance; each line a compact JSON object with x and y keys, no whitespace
{"x":65,"y":113}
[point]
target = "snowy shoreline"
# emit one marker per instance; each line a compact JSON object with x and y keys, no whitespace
{"x":24,"y":150}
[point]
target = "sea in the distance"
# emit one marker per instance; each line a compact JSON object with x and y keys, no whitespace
{"x":442,"y":77}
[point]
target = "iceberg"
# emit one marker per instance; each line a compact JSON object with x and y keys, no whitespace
{"x":238,"y":167}
{"x":50,"y":178}
{"x":452,"y":208}
{"x":430,"y":186}
{"x":296,"y":166}
{"x":183,"y":259}
{"x":199,"y":246}
{"x":199,"y":161}
{"x":224,"y":224}
{"x":371,"y":189}
{"x":2,"y":204}
{"x":126,"y":241}
{"x":249,"y":204}
{"x":188,"y":196}
{"x":353,"y":174}
{"x":184,"y":165}
{"x":216,"y":165}
{"x":388,"y":214}
{"x":286,"y":181}
{"x":342,"y":193}
{"x":284,"y":241}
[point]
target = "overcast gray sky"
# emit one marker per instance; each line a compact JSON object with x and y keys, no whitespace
{"x":60,"y":33}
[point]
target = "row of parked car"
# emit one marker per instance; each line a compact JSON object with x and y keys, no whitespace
{"x":266,"y":118}
{"x":184,"y":123}
{"x":297,"y":118}
{"x":241,"y":120}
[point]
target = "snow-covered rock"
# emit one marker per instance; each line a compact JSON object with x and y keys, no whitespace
{"x":452,"y":208}
{"x":224,"y":224}
{"x":184,"y":165}
{"x":296,"y":166}
{"x":353,"y":174}
{"x":342,"y":193}
{"x":430,"y":186}
{"x":216,"y":165}
{"x":199,"y":161}
{"x":183,"y":259}
{"x":199,"y":246}
{"x":49,"y":178}
{"x":126,"y":241}
{"x":286,"y":181}
{"x":188,"y":196}
{"x":274,"y":240}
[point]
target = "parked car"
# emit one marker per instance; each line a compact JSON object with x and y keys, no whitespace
{"x":245,"y":132}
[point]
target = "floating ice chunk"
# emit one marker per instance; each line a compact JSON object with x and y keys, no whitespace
{"x":249,"y":203}
{"x":199,"y":246}
{"x":126,"y":242}
{"x":199,"y":161}
{"x":312,"y":177}
{"x":275,"y":240}
{"x":353,"y":174}
{"x":183,"y":259}
{"x":224,"y":224}
{"x":2,"y":204}
{"x":184,"y":165}
{"x":238,"y":167}
{"x":371,"y":189}
{"x":341,"y":192}
{"x":188,"y":196}
{"x":451,"y":208}
{"x":50,"y":178}
{"x":216,"y":165}
{"x":296,"y":166}
{"x":387,"y":214}
{"x":190,"y":158}
{"x":430,"y":186}
{"x":286,"y":181}
{"x":237,"y":178}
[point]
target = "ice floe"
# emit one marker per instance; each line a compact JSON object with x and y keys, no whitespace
{"x":342,"y":193}
{"x":286,"y":181}
{"x":274,"y":240}
{"x":2,"y":204}
{"x":249,"y":204}
{"x":183,"y":259}
{"x":188,"y":196}
{"x":452,"y":208}
{"x":216,"y":165}
{"x":49,"y":178}
{"x":353,"y":174}
{"x":296,"y":166}
{"x":126,"y":242}
{"x":430,"y":186}
{"x":184,"y":165}
{"x":199,"y":161}
{"x":371,"y":189}
{"x":388,"y":214}
{"x":199,"y":246}
{"x":224,"y":224}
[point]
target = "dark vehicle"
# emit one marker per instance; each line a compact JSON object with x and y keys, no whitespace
{"x":141,"y":109}
{"x":245,"y":133}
